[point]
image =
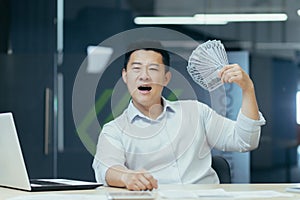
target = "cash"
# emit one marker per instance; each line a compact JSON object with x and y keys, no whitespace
{"x":205,"y":62}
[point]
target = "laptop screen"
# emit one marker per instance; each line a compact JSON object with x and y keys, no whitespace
{"x":13,"y":173}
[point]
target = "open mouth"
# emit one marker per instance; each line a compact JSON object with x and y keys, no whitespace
{"x":144,"y":88}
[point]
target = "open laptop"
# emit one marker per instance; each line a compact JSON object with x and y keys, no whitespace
{"x":13,"y":173}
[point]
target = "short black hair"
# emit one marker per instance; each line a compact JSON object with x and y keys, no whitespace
{"x":153,"y":45}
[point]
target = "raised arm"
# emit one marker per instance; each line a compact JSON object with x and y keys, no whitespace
{"x":235,"y":74}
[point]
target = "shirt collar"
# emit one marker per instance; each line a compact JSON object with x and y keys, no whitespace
{"x":133,"y":112}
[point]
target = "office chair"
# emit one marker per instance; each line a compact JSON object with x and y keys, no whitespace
{"x":222,"y":168}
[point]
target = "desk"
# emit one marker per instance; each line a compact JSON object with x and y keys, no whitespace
{"x":100,"y":192}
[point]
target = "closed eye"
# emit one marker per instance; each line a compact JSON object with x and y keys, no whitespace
{"x":154,"y":67}
{"x":136,"y":67}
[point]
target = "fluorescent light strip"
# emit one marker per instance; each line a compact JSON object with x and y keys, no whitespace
{"x":243,"y":17}
{"x":298,"y":107}
{"x":212,"y":19}
{"x":175,"y":21}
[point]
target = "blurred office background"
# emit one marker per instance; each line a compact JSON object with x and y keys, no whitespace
{"x":44,"y":43}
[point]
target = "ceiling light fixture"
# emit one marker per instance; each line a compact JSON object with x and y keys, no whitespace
{"x":298,"y":12}
{"x":162,"y":20}
{"x":257,"y":17}
{"x":211,"y":19}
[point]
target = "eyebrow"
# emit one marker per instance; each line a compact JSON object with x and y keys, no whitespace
{"x":140,"y":63}
{"x":134,"y":63}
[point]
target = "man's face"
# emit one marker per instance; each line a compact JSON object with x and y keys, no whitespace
{"x":145,"y":77}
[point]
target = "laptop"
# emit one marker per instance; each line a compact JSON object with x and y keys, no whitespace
{"x":13,"y":173}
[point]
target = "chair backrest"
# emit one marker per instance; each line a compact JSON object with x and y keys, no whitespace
{"x":222,"y":168}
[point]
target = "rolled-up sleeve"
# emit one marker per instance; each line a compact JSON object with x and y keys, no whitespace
{"x":249,"y":129}
{"x":248,"y":124}
{"x":228,"y":135}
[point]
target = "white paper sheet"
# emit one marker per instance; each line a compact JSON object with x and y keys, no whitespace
{"x":177,"y":194}
{"x":259,"y":194}
{"x":220,"y":193}
{"x":293,"y":189}
{"x":59,"y":196}
{"x":193,"y":194}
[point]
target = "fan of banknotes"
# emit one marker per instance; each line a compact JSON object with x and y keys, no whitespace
{"x":205,"y":62}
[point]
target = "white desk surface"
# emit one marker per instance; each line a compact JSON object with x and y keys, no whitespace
{"x":7,"y":194}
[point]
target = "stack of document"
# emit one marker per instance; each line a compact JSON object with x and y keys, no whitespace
{"x":220,"y":193}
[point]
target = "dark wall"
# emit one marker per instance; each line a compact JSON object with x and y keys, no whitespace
{"x":4,"y":25}
{"x":276,"y":86}
{"x":90,"y":25}
{"x":32,"y":26}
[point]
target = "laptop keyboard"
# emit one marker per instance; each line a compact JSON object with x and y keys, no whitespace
{"x":40,"y":182}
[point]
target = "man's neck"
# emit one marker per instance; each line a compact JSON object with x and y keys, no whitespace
{"x":151,"y":111}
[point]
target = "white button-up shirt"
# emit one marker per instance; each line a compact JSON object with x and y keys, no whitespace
{"x":176,"y":147}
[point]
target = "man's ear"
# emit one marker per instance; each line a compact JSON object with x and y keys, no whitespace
{"x":168,"y":77}
{"x":124,"y":75}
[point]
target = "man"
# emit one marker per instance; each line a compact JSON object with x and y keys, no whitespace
{"x":158,"y":141}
